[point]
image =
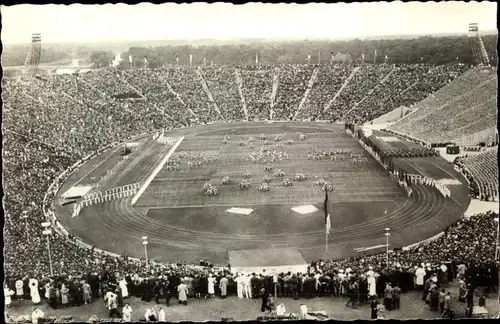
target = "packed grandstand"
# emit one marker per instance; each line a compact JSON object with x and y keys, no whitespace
{"x":51,"y":122}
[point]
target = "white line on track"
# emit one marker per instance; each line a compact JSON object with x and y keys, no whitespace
{"x":363,"y":249}
{"x":156,"y":171}
{"x":267,"y":204}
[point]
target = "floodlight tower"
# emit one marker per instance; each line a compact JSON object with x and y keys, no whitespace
{"x":33,"y":57}
{"x":478,"y":50}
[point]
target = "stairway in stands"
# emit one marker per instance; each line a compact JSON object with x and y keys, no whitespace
{"x":346,"y":83}
{"x":239,"y":82}
{"x":274,"y":91}
{"x":117,"y":75}
{"x":178,"y":97}
{"x":209,"y":94}
{"x":314,"y":76}
{"x":381,"y":82}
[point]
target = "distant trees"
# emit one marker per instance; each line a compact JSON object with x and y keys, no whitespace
{"x":99,"y":59}
{"x":15,"y":55}
{"x":426,"y":49}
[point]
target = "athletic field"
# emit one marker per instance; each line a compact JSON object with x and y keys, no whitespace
{"x":183,"y":224}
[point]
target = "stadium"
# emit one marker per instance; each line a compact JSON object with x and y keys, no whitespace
{"x":187,"y":172}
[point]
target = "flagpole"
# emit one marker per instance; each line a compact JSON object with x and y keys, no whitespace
{"x":326,"y":219}
{"x":326,"y":242}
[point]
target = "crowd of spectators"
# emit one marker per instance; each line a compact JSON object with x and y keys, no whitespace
{"x":224,"y":88}
{"x":465,"y":252}
{"x":293,"y":81}
{"x":52,"y":122}
{"x":328,"y":82}
{"x":457,"y":110}
{"x":257,"y":84}
{"x":364,"y":81}
{"x":481,"y":171}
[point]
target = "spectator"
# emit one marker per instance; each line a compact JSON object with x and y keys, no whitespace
{"x":183,"y":292}
{"x":161,"y":315}
{"x":374,"y":308}
{"x":265,"y":299}
{"x":389,"y":291}
{"x":150,"y":315}
{"x":127,"y":313}
{"x":223,"y":287}
{"x":442,"y":295}
{"x":8,"y":293}
{"x":447,"y":307}
{"x":396,"y":297}
{"x":37,"y":315}
{"x":113,"y":306}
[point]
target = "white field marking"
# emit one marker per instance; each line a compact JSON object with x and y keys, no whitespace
{"x":242,"y":211}
{"x":363,"y":249}
{"x":156,"y":171}
{"x":307,"y":209}
{"x":450,"y":181}
{"x":74,"y":191}
{"x":389,"y":139}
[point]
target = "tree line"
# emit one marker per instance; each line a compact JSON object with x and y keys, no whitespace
{"x":427,"y":49}
{"x":15,"y":55}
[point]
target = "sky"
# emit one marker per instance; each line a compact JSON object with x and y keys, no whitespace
{"x":223,"y":21}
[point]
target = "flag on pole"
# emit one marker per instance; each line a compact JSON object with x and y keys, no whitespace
{"x":325,"y":205}
{"x":256,"y":58}
{"x":130,"y":58}
{"x":328,"y":224}
{"x":386,"y":58}
{"x":177,"y":60}
{"x":190,"y":59}
{"x":145,"y":61}
{"x":375,"y":58}
{"x":308,"y":58}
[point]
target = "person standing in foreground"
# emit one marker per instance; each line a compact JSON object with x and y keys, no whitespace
{"x":396,"y":297}
{"x":19,"y":289}
{"x":183,"y":292}
{"x":8,"y":293}
{"x":388,"y":296}
{"x":113,"y":306}
{"x":353,"y":293}
{"x":442,"y":295}
{"x":127,"y":313}
{"x":303,"y":311}
{"x":447,"y":307}
{"x":161,"y":315}
{"x":373,"y":306}
{"x":37,"y":315}
{"x":223,"y":287}
{"x":265,"y":298}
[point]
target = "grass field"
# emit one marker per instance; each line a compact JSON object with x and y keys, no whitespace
{"x":361,"y":182}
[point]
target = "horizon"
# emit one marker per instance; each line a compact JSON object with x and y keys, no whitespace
{"x":376,"y":37}
{"x":118,"y":23}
